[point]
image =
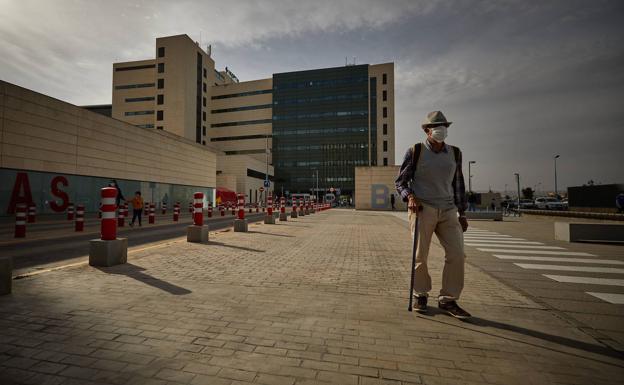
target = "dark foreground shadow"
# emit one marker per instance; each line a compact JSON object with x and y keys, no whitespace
{"x":136,"y":272}
{"x":275,"y":235}
{"x":235,"y":247}
{"x":563,"y":341}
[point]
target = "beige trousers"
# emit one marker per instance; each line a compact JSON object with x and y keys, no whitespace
{"x":446,"y":226}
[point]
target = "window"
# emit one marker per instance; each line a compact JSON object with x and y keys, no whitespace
{"x":385,"y":162}
{"x":159,"y":115}
{"x":204,"y":116}
{"x":161,"y":51}
{"x":385,"y":145}
{"x":242,"y":94}
{"x":242,"y":137}
{"x":385,"y":112}
{"x":161,"y":84}
{"x":142,"y":99}
{"x":244,"y":108}
{"x":133,"y":113}
{"x":204,"y":130}
{"x":384,"y":79}
{"x":145,"y":125}
{"x":243,"y":123}
{"x":385,"y":129}
{"x":204,"y":101}
{"x":204,"y":87}
{"x":160,"y":99}
{"x":161,"y":68}
{"x":134,"y":68}
{"x":159,"y":127}
{"x":205,"y":73}
{"x":384,"y":96}
{"x":130,"y":86}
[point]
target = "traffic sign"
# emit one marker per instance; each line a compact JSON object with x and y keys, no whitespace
{"x":267,"y":183}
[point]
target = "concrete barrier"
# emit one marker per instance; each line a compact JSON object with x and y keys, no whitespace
{"x":6,"y":275}
{"x":589,"y":232}
{"x":487,"y":215}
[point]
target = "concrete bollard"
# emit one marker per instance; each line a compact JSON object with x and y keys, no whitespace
{"x":79,"y":223}
{"x":152,"y":213}
{"x":108,"y":250}
{"x":6,"y":275}
{"x":32,"y":211}
{"x":70,"y":212}
{"x":197,"y":232}
{"x":163,"y":208}
{"x":293,"y":209}
{"x":20,"y":220}
{"x":209,"y":209}
{"x":301,"y":209}
{"x":282,"y":216}
{"x":176,"y":212}
{"x":240,"y":224}
{"x":269,"y":219}
{"x":306,"y":206}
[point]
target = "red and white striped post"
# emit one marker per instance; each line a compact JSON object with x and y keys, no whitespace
{"x":32,"y":211}
{"x":20,"y":220}
{"x":301,"y":212}
{"x":176,"y":212}
{"x":198,"y":209}
{"x":125,"y":210}
{"x":100,"y":211}
{"x":191,"y":207}
{"x":152,"y":213}
{"x":241,"y":206}
{"x":270,"y":205}
{"x":250,"y":208}
{"x":163,"y":208}
{"x":70,"y":212}
{"x":282,"y":214}
{"x":222,"y":210}
{"x":108,"y":227}
{"x":79,"y":224}
{"x":120,"y":217}
{"x":209,"y":209}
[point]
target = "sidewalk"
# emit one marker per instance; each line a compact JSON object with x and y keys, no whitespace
{"x":319,"y":299}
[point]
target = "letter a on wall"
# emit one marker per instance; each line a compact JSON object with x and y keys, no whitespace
{"x":21,"y":192}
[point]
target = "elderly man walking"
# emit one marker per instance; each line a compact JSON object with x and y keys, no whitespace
{"x":432,"y":182}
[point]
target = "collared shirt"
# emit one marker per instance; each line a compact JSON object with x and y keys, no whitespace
{"x":406,"y":176}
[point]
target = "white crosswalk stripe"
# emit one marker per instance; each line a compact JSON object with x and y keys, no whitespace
{"x":585,"y":269}
{"x":559,"y":259}
{"x":551,"y":258}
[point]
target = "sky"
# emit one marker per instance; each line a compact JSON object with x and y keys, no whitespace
{"x":522,"y":81}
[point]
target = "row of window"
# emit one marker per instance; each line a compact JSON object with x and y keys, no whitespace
{"x":141,"y":99}
{"x":246,"y":152}
{"x":134,"y":113}
{"x":242,"y":137}
{"x":130,"y":86}
{"x":324,"y":130}
{"x":249,"y":93}
{"x":146,"y":126}
{"x":321,"y":83}
{"x":242,"y":123}
{"x":329,"y":98}
{"x":245,"y":108}
{"x":329,"y":163}
{"x":141,"y":67}
{"x":335,"y":146}
{"x":330,"y":114}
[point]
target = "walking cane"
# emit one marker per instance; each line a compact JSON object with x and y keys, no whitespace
{"x":414,"y":245}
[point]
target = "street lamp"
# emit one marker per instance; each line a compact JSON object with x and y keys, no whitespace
{"x":470,"y":175}
{"x":555,"y":159}
{"x":518,"y":183}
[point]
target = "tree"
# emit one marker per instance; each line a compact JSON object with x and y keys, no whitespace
{"x":527,"y":193}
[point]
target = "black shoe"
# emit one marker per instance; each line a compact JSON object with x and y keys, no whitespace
{"x":454,"y":310}
{"x":421,"y":304}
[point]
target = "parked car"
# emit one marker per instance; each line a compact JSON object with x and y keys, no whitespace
{"x":526,"y":204}
{"x":548,"y":203}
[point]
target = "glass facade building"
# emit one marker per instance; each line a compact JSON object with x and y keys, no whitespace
{"x":321,"y":123}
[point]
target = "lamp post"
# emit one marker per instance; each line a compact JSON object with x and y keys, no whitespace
{"x":555,"y":159}
{"x":518,"y":183}
{"x":470,"y":175}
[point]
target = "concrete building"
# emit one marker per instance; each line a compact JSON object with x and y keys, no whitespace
{"x":318,"y":125}
{"x":53,"y":153}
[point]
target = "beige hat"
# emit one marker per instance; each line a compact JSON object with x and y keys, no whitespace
{"x":435,"y":118}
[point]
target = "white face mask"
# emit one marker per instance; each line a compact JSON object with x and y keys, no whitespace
{"x":438,"y":133}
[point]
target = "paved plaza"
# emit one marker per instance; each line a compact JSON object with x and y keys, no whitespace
{"x":319,"y":299}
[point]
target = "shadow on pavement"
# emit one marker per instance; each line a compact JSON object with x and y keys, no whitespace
{"x":235,"y":247}
{"x":136,"y":272}
{"x":276,"y":235}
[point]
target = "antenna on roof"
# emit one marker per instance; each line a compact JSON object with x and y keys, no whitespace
{"x":209,"y":50}
{"x":346,"y":64}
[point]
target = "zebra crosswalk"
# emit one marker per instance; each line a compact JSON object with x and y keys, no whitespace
{"x":533,"y":255}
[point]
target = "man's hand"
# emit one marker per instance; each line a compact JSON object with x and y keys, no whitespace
{"x":412,"y":203}
{"x":464,"y":223}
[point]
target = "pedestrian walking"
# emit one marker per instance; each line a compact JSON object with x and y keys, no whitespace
{"x":619,"y":202}
{"x":392,"y":201}
{"x":119,"y":196}
{"x":472,"y":200}
{"x":493,"y":204}
{"x":431,"y":181}
{"x":137,"y":208}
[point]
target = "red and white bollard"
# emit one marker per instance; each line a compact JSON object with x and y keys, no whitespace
{"x":163,"y":208}
{"x":257,"y":207}
{"x":209,"y":209}
{"x":197,"y":232}
{"x":108,"y":250}
{"x":100,"y":212}
{"x":234,"y":206}
{"x":32,"y":211}
{"x":20,"y":220}
{"x":240,"y":223}
{"x":293,"y":209}
{"x":108,"y":227}
{"x":222,"y":210}
{"x":176,"y":212}
{"x":120,"y":217}
{"x":79,"y":224}
{"x":269,"y":219}
{"x":152,"y":213}
{"x":191,"y":207}
{"x":301,"y":211}
{"x":70,"y":212}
